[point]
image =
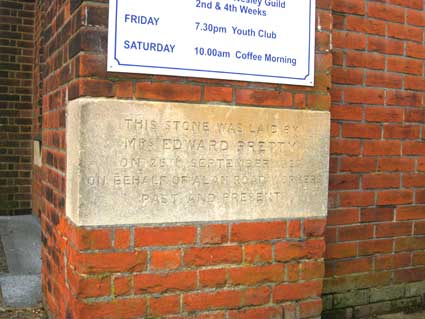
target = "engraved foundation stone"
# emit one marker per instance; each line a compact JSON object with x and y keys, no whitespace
{"x":137,"y":162}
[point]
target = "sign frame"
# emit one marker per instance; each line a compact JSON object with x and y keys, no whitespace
{"x":116,"y":63}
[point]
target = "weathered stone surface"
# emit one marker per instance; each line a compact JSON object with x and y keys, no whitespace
{"x":415,"y":289}
{"x":375,"y":308}
{"x":387,"y":293}
{"x":407,"y":303}
{"x":352,"y":298}
{"x":148,"y":162}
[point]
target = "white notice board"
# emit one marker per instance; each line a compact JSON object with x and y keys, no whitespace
{"x":248,"y":40}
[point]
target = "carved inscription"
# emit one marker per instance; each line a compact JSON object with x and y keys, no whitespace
{"x":146,"y":162}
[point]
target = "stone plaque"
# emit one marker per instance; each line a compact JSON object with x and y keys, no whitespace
{"x":136,"y":162}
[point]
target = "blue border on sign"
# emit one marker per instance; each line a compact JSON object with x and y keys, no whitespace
{"x":210,"y":71}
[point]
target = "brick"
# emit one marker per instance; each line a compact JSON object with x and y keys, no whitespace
{"x":124,"y":89}
{"x":367,"y":310}
{"x":263,"y":97}
{"x":352,"y":298}
{"x":257,"y":296}
{"x":258,"y":253}
{"x":364,"y":25}
{"x":413,"y":180}
{"x":396,"y":197}
{"x":416,"y":4}
{"x":314,"y":227}
{"x":208,"y":256}
{"x":294,"y":229}
{"x":347,"y":76}
{"x":96,"y":239}
{"x":409,"y":275}
{"x":214,"y":234}
{"x":168,"y":92}
{"x":393,"y":229}
{"x":414,"y":289}
{"x":384,"y":114}
{"x":218,"y":94}
{"x":372,"y":181}
{"x":404,"y":98}
{"x":224,"y":299}
{"x":421,"y":164}
{"x":413,"y":148}
{"x":393,"y":261}
{"x":341,"y":250}
{"x":419,"y":196}
{"x":370,"y":60}
{"x":409,"y":243}
{"x":164,"y":305}
{"x":415,"y":50}
{"x":88,"y":65}
{"x":415,"y":83}
{"x":403,"y":65}
{"x":349,"y":6}
{"x":353,"y":113}
{"x":212,"y":278}
{"x":123,"y":285}
{"x":352,"y":266}
{"x":297,"y":291}
{"x":289,"y":311}
{"x":419,"y":228}
{"x":345,"y":147}
{"x":357,"y":281}
{"x":415,"y":116}
{"x":165,"y":236}
{"x":292,"y":272}
{"x":165,"y":259}
{"x":371,"y":247}
{"x":357,"y":232}
{"x":401,"y":131}
{"x":263,"y":312}
{"x":418,"y":258}
{"x":364,"y":95}
{"x":410,"y":212}
{"x":358,"y":164}
{"x":381,"y":148}
{"x":312,"y":270}
{"x":355,"y":130}
{"x":122,"y":238}
{"x":384,"y":294}
{"x":383,"y":79}
{"x":88,"y":287}
{"x":376,"y":214}
{"x":348,"y":199}
{"x":309,"y":249}
{"x":343,"y":181}
{"x":246,"y":232}
{"x":311,"y":308}
{"x":207,"y":315}
{"x":116,"y":309}
{"x":343,"y":216}
{"x":349,"y":40}
{"x":91,"y":87}
{"x":108,"y":262}
{"x":396,"y":164}
{"x":386,"y":12}
{"x":164,"y":282}
{"x":256,"y":275}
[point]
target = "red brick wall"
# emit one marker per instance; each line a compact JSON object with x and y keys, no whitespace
{"x":38,"y":59}
{"x":376,"y":222}
{"x":239,"y":270}
{"x":16,"y":23}
{"x":375,"y":233}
